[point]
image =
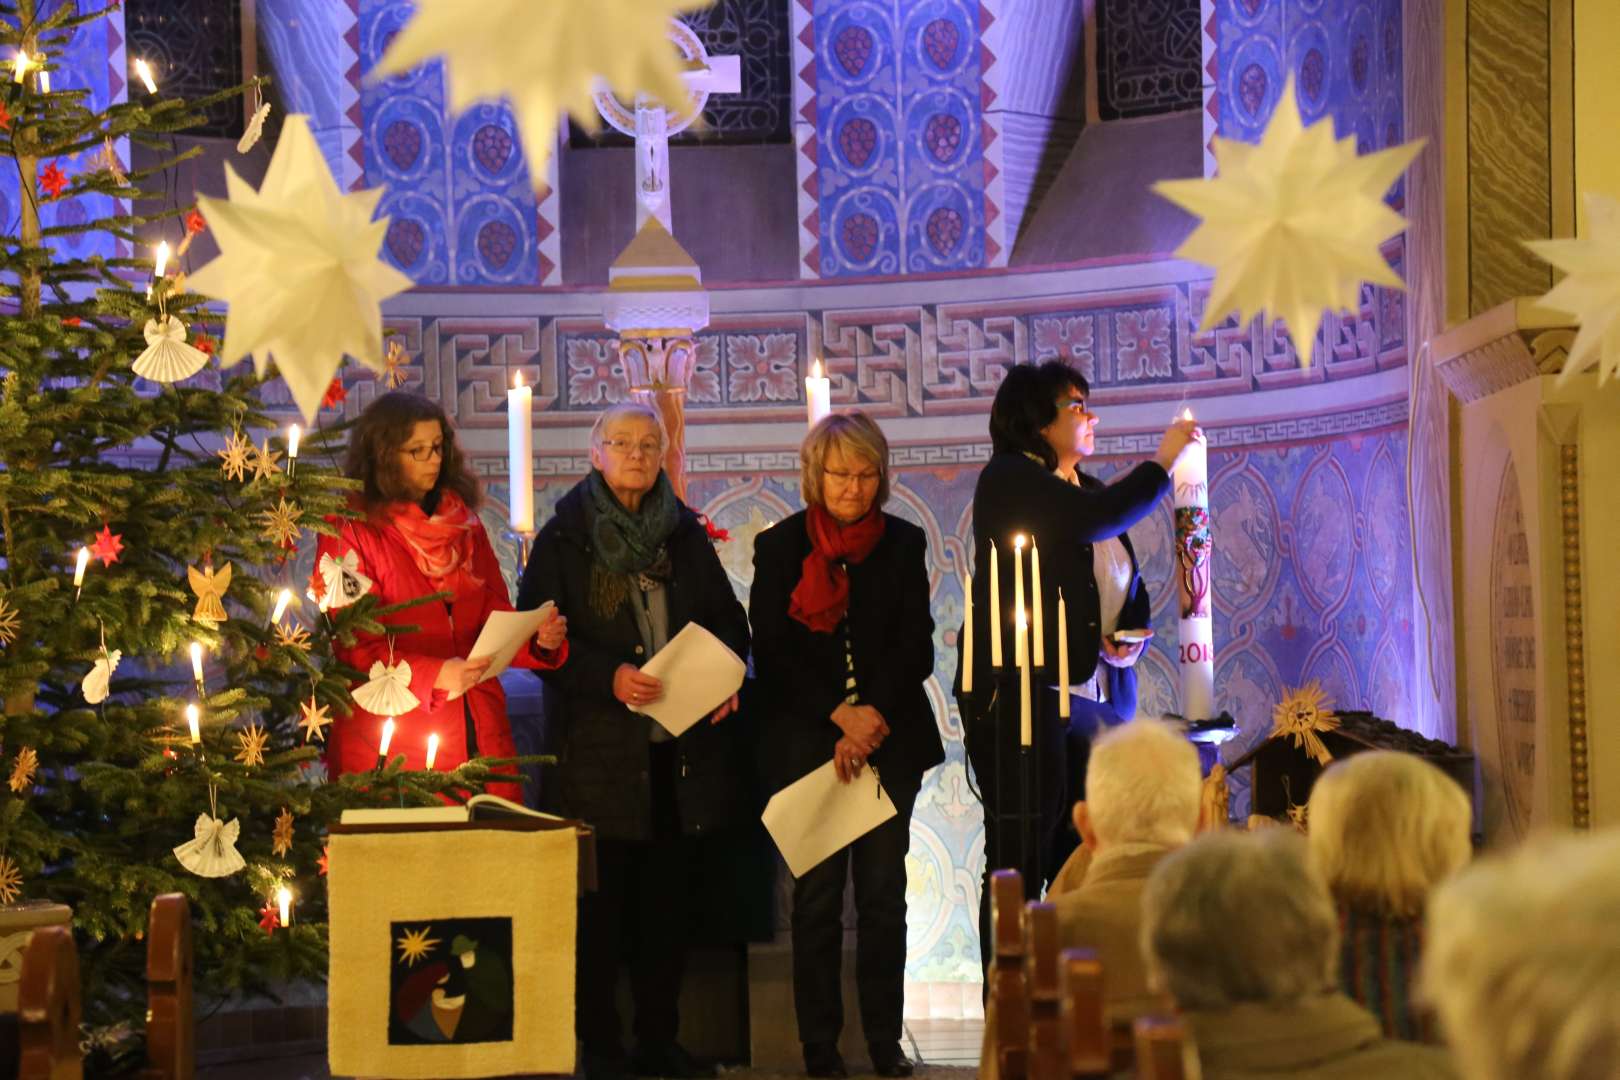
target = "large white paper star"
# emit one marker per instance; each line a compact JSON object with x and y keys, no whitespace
{"x":1590,"y":290}
{"x":298,"y":265}
{"x":1293,"y":225}
{"x":544,"y":57}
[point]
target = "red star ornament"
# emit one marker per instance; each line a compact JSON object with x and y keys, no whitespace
{"x":107,"y":546}
{"x":320,"y":864}
{"x":5,"y":117}
{"x":269,"y":918}
{"x":335,"y":395}
{"x":52,"y":180}
{"x":203,"y":343}
{"x":195,"y":223}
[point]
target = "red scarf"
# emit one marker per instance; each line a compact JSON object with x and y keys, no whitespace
{"x":441,"y":545}
{"x":822,"y":595}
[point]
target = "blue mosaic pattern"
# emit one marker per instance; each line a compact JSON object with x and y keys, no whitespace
{"x":311,"y":60}
{"x":901,"y":178}
{"x":461,"y":205}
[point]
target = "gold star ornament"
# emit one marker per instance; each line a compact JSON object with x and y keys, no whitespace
{"x":11,"y":880}
{"x":1293,"y":225}
{"x":292,"y":635}
{"x":281,"y":838}
{"x":1302,"y":715}
{"x":394,"y":365}
{"x":1589,"y":292}
{"x":9,"y":623}
{"x":281,"y":523}
{"x":316,"y":719}
{"x":23,"y":769}
{"x":235,"y":457}
{"x":262,"y":460}
{"x":251,"y":744}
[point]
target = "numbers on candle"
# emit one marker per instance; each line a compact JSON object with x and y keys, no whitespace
{"x":1196,"y":652}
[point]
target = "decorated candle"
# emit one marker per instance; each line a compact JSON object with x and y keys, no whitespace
{"x":817,"y":393}
{"x":520,"y":449}
{"x":1063,"y":657}
{"x":967,"y":634}
{"x":1037,"y":630}
{"x":1189,"y":484}
{"x":995,"y":608}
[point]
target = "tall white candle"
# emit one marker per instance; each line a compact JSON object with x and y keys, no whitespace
{"x":817,"y":393}
{"x":1038,"y":630}
{"x":283,"y":598}
{"x":995,"y":608}
{"x":196,"y":662}
{"x":387,"y":737}
{"x":1190,"y":491}
{"x":79,"y":567}
{"x":967,"y":634}
{"x":284,"y":902}
{"x":520,"y":449}
{"x":1063,"y":657}
{"x":433,"y":749}
{"x":194,"y":724}
{"x":1020,"y":646}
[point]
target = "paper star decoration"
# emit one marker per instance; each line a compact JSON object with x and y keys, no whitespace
{"x":262,"y":461}
{"x":413,"y":945}
{"x":281,"y":523}
{"x":107,"y":546}
{"x":322,"y":864}
{"x":10,"y":880}
{"x":544,"y":58}
{"x":251,"y":744}
{"x":1293,"y":225}
{"x":9,"y":623}
{"x":281,"y":836}
{"x":292,"y":635}
{"x":394,"y":364}
{"x":234,"y":458}
{"x":52,"y":180}
{"x":1590,"y":290}
{"x":270,"y":917}
{"x":316,"y":718}
{"x":23,"y":769}
{"x":335,"y":394}
{"x":298,"y":266}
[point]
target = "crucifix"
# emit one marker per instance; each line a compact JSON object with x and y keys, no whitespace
{"x":651,"y":122}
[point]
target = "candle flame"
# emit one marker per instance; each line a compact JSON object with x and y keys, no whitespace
{"x":1018,"y":541}
{"x":1023,"y":620}
{"x":517,"y":380}
{"x":1186,"y":414}
{"x":815,"y":370}
{"x":144,"y":70}
{"x":162,"y":258}
{"x":20,"y":66}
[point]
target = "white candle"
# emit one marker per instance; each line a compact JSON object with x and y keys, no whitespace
{"x":283,"y":598}
{"x":967,"y":634}
{"x":144,"y":71}
{"x":79,"y":567}
{"x":44,"y":81}
{"x":387,"y":737}
{"x":1189,"y":485}
{"x":433,"y":748}
{"x":995,"y":608}
{"x":162,"y":259}
{"x":284,"y":902}
{"x":817,"y":393}
{"x":1038,"y":631}
{"x":1063,"y":657}
{"x":520,"y":449}
{"x":194,"y":724}
{"x":293,"y":432}
{"x":20,"y":65}
{"x":1020,"y":646}
{"x":196,"y":662}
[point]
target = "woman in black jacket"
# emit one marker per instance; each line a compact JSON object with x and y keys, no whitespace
{"x":630,"y":565}
{"x":1040,"y":426}
{"x":843,"y":644}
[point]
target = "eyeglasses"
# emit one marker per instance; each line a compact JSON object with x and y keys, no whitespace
{"x":1077,"y":405}
{"x":866,"y":476}
{"x":649,"y":448}
{"x":423,"y":453}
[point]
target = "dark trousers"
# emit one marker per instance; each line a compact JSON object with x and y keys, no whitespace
{"x":877,"y":862}
{"x":637,"y":915}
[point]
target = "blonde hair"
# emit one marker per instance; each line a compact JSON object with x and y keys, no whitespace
{"x":622,"y":411}
{"x":1143,"y":785}
{"x":854,"y":433}
{"x":1386,"y":828}
{"x":1522,"y":960}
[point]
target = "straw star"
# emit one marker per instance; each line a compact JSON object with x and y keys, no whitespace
{"x":1590,"y":289}
{"x":1301,"y":715}
{"x":10,"y":880}
{"x":281,"y":837}
{"x":236,"y":457}
{"x":394,"y":364}
{"x":263,"y":461}
{"x":22,"y":771}
{"x":292,"y":635}
{"x":251,"y":744}
{"x":316,"y":718}
{"x":281,"y":523}
{"x":9,"y":623}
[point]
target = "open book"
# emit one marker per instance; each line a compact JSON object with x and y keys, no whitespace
{"x":477,"y":808}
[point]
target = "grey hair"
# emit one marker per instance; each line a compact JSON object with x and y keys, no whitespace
{"x":621,"y":411}
{"x":1522,"y":960}
{"x":1143,"y":785}
{"x":1239,"y":917}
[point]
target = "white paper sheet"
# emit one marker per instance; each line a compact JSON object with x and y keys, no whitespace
{"x":817,"y":814}
{"x":698,"y":672}
{"x":504,"y":633}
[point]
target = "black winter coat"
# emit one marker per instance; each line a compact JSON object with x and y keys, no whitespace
{"x":802,"y":673}
{"x":602,"y":774}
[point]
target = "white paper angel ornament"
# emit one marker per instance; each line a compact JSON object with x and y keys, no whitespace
{"x":388,"y":691}
{"x":344,"y":582}
{"x":212,"y":853}
{"x":254,"y":130}
{"x":99,"y":678}
{"x":168,"y":358}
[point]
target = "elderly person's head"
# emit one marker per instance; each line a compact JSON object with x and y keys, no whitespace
{"x":844,"y":466}
{"x":1239,"y":917}
{"x":1386,"y":828}
{"x":1142,"y":787}
{"x":627,"y":447}
{"x":1040,"y":409}
{"x":1522,"y":960}
{"x":403,"y":448}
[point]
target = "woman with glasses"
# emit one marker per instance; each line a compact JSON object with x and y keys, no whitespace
{"x":631,"y":565}
{"x":843,"y":644}
{"x":414,"y":531}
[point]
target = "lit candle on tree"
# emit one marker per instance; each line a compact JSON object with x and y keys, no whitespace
{"x":817,"y":393}
{"x":293,"y":432}
{"x":1189,"y":485}
{"x":196,"y":665}
{"x":283,"y":598}
{"x":432,"y":749}
{"x":387,"y":737}
{"x":284,"y":902}
{"x":520,"y":449}
{"x":194,"y":724}
{"x":79,"y":568}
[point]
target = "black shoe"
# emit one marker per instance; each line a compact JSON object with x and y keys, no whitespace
{"x":668,"y":1060}
{"x":822,"y":1059}
{"x":604,"y":1066}
{"x":889,"y":1060}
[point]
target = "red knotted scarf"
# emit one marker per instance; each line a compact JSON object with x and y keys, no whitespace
{"x":822,"y":595}
{"x":441,"y":545}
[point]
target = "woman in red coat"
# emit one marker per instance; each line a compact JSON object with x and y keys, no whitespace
{"x":420,"y":535}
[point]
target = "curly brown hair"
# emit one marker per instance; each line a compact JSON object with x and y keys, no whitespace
{"x":373,"y":456}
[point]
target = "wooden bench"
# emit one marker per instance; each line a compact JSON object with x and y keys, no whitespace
{"x":171,"y":1025}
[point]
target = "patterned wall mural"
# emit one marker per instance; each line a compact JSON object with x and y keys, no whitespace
{"x":1149,"y":56}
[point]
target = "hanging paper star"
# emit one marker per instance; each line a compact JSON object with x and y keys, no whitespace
{"x":251,"y":744}
{"x":1590,"y":290}
{"x":10,"y":880}
{"x":234,"y":458}
{"x":298,"y":265}
{"x":209,"y":585}
{"x":281,"y":837}
{"x":107,"y":546}
{"x":316,"y":718}
{"x":544,"y":59}
{"x":9,"y":623}
{"x":23,"y":769}
{"x":322,"y":864}
{"x":394,"y":363}
{"x":292,"y":635}
{"x":52,"y":180}
{"x":263,"y":461}
{"x":413,"y":945}
{"x":270,"y":917}
{"x":335,"y":395}
{"x":1293,"y":225}
{"x":281,"y":524}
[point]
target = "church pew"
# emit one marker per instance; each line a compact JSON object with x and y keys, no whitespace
{"x":1046,"y":1057}
{"x":170,"y":1021}
{"x":48,"y":1007}
{"x":1161,"y":1048}
{"x":1086,"y":1032}
{"x":1009,"y":988}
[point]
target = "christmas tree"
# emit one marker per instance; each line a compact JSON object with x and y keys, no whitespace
{"x":150,"y":524}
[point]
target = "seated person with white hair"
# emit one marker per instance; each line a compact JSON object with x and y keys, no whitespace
{"x":1242,"y":933}
{"x":1386,"y":828}
{"x":1523,"y":961}
{"x":1142,"y":802}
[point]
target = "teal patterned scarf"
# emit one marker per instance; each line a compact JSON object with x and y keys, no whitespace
{"x":628,"y":545}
